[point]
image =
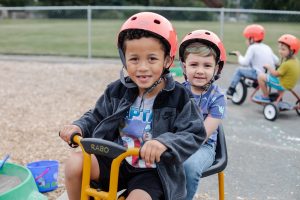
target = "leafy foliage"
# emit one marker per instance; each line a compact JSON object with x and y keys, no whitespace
{"x":16,"y":2}
{"x":257,"y":4}
{"x":278,"y":5}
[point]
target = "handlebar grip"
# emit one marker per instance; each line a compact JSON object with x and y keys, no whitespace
{"x":232,"y":54}
{"x":72,"y":143}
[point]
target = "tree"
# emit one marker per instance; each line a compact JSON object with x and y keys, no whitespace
{"x":16,"y":2}
{"x":278,"y":5}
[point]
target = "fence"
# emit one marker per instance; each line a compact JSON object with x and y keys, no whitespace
{"x":91,"y":30}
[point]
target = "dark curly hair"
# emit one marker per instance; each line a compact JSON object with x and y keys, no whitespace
{"x":132,"y":34}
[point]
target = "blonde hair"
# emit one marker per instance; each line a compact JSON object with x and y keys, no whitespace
{"x":200,"y":49}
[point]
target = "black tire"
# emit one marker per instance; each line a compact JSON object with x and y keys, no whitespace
{"x":298,"y":109}
{"x":240,"y":93}
{"x":270,"y":112}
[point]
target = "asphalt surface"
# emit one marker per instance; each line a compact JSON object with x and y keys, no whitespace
{"x":264,"y":156}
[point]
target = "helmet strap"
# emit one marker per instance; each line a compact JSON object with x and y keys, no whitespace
{"x":122,"y":57}
{"x":125,"y":80}
{"x":183,"y":70}
{"x":291,"y":53}
{"x":154,"y":85}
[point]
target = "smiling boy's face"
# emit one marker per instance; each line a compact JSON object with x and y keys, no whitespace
{"x":145,"y":60}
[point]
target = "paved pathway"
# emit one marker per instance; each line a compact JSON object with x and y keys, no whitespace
{"x":264,"y":156}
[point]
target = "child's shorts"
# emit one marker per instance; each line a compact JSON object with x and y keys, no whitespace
{"x":131,"y":178}
{"x":273,"y":82}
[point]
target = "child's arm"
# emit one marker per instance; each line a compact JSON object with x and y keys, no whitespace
{"x":245,"y":60}
{"x":271,"y":70}
{"x":211,"y":124}
{"x":237,"y":53}
{"x":216,"y":109}
{"x":275,"y":59}
{"x":187,"y":135}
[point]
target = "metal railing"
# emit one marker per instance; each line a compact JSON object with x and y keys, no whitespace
{"x":89,"y":10}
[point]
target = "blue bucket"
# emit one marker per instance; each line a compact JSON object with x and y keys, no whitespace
{"x":45,"y":173}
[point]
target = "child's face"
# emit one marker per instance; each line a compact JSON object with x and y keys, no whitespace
{"x":199,"y":70}
{"x":283,"y":50}
{"x":145,"y":60}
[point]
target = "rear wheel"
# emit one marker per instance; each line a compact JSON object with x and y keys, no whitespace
{"x":270,"y":112}
{"x":298,"y":107}
{"x":240,"y":93}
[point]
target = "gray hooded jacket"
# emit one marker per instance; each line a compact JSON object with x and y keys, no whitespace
{"x":177,"y":123}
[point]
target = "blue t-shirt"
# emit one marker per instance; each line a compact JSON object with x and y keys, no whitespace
{"x":137,"y":129}
{"x":213,"y":103}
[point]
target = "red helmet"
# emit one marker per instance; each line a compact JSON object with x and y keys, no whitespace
{"x":154,"y":23}
{"x":209,"y":38}
{"x":291,"y":41}
{"x":254,"y":31}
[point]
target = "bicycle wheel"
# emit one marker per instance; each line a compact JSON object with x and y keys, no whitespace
{"x":240,"y":93}
{"x":270,"y":112}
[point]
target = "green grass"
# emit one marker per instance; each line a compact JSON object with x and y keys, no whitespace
{"x":69,"y":37}
{"x":59,"y":37}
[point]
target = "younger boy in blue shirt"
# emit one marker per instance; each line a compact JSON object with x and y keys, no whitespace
{"x":203,"y":56}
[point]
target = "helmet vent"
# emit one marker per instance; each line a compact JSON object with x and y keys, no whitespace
{"x":156,"y":21}
{"x":133,"y":18}
{"x":207,"y":33}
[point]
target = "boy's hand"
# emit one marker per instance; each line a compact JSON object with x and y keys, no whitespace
{"x":267,"y":66}
{"x":66,"y":132}
{"x":237,"y":53}
{"x":152,"y":150}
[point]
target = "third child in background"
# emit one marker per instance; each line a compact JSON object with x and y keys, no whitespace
{"x":287,"y":75}
{"x":257,"y":55}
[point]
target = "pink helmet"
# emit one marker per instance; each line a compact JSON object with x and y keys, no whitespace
{"x":209,"y":38}
{"x":291,"y":41}
{"x":154,"y":23}
{"x":255,"y":31}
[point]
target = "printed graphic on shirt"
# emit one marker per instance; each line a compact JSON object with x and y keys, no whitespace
{"x":221,"y":110}
{"x":212,"y":103}
{"x":135,"y":131}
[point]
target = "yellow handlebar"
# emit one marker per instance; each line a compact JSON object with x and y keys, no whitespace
{"x":86,"y":190}
{"x":77,"y":139}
